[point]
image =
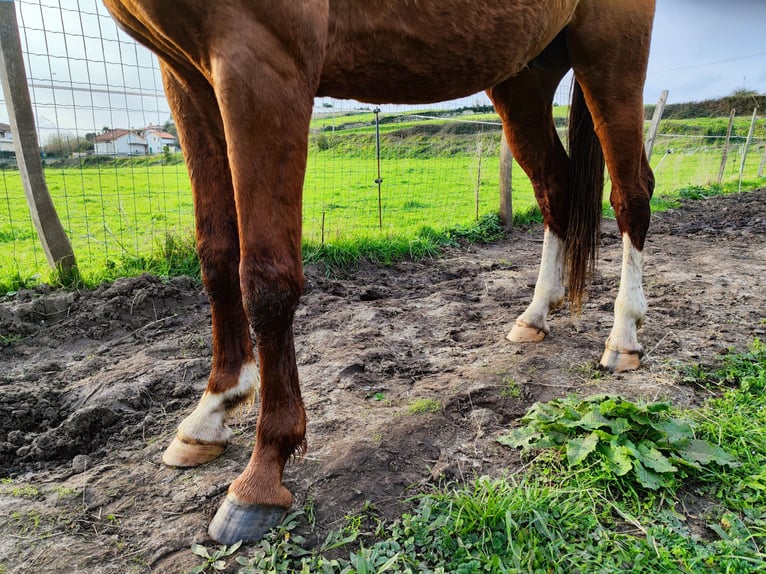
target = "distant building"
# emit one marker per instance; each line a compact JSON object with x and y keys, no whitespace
{"x":157,"y":140}
{"x":6,"y":138}
{"x":148,"y":141}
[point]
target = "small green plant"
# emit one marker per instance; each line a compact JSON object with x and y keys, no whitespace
{"x":66,"y":492}
{"x":283,"y":551}
{"x":700,"y":191}
{"x":8,"y":487}
{"x":419,"y":406}
{"x":6,"y":340}
{"x":639,"y":440}
{"x":216,"y":559}
{"x":511,"y":389}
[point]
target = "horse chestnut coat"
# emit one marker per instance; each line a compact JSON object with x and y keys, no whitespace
{"x":241,"y":77}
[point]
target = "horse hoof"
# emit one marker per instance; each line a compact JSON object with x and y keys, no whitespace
{"x":525,"y":334}
{"x":617,"y":362}
{"x":250,"y":523}
{"x":185,"y":453}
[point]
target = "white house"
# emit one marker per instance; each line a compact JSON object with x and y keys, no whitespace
{"x":157,"y":140}
{"x":151,"y":140}
{"x":6,"y":138}
{"x":120,"y":142}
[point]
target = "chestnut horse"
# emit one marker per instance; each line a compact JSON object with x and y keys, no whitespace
{"x":241,"y":77}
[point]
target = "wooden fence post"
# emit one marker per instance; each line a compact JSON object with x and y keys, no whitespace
{"x":725,"y":155}
{"x":55,"y":243}
{"x":747,"y":146}
{"x":506,"y":203}
{"x":654,"y":126}
{"x":763,"y":163}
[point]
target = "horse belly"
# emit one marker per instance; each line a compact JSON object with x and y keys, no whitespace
{"x":400,"y":51}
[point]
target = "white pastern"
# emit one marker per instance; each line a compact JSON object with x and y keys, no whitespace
{"x":549,"y":289}
{"x":207,"y":422}
{"x":630,"y":304}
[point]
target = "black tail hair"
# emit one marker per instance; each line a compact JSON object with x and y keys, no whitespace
{"x":586,"y":188}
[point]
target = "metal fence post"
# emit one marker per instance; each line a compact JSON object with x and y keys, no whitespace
{"x":55,"y":242}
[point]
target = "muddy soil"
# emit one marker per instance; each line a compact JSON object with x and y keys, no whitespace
{"x":93,"y":383}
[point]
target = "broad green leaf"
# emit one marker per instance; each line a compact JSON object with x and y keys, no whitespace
{"x":551,"y":438}
{"x":675,"y":430}
{"x":640,"y":418}
{"x":609,"y":406}
{"x":593,"y":420}
{"x":522,"y":437}
{"x":200,"y":550}
{"x":703,"y":452}
{"x":619,"y":425}
{"x":605,"y":436}
{"x":389,"y":563}
{"x":658,"y":407}
{"x":618,"y":459}
{"x":578,"y":449}
{"x":219,"y":565}
{"x":654,"y":459}
{"x":543,"y":412}
{"x":630,"y":446}
{"x":648,"y":478}
{"x":618,"y":407}
{"x":598,"y":399}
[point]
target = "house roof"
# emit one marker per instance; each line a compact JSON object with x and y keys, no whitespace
{"x":111,"y":135}
{"x":161,"y":134}
{"x":4,"y":127}
{"x":117,"y":133}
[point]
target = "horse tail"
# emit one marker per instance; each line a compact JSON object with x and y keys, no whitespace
{"x":586,"y":186}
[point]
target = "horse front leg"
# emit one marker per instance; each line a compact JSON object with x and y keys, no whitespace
{"x":266,"y":113}
{"x":203,"y":435}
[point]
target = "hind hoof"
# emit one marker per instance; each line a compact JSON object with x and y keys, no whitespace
{"x":525,"y":334}
{"x":249,"y":523}
{"x":185,"y":453}
{"x":617,"y":362}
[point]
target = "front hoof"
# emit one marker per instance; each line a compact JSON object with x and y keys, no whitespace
{"x":617,"y":362}
{"x":249,"y":523}
{"x":525,"y":334}
{"x":185,"y":453}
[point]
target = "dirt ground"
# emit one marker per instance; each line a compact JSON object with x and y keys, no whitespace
{"x":93,"y":383}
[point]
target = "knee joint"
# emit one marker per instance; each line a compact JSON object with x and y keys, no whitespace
{"x":270,"y":297}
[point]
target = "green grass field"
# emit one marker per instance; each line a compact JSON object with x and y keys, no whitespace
{"x":128,"y":216}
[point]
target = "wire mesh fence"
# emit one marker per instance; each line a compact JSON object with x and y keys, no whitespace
{"x":122,"y":191}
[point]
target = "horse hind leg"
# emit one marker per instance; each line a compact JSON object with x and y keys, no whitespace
{"x":524,"y":103}
{"x":203,"y":435}
{"x":612,"y":81}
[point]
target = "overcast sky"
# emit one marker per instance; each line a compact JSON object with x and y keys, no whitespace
{"x":707,"y":48}
{"x":700,"y":49}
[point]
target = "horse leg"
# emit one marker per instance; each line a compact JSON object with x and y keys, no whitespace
{"x":203,"y":435}
{"x":266,"y":113}
{"x":612,"y":81}
{"x":524,"y":103}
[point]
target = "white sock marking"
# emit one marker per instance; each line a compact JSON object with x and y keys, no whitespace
{"x":549,"y":289}
{"x":630,"y":304}
{"x":207,"y":421}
